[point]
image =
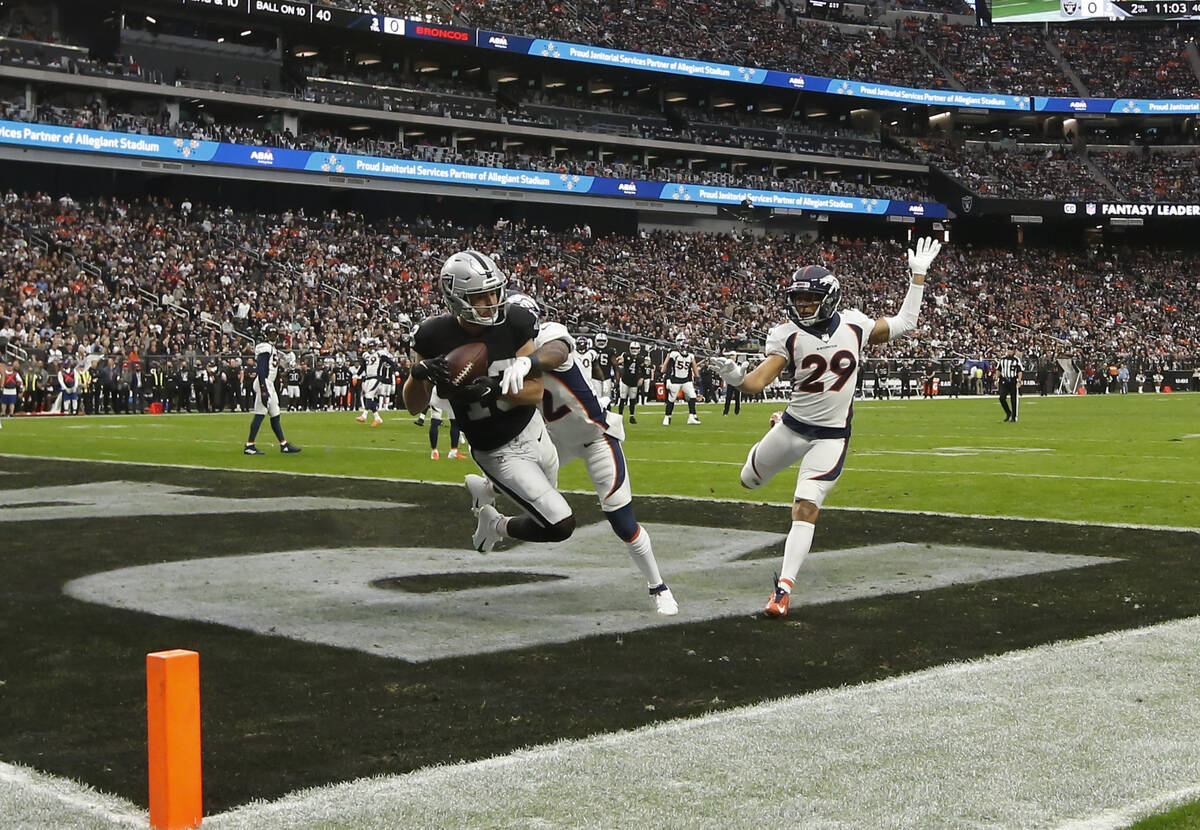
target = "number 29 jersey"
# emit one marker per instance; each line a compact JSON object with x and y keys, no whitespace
{"x":826,"y":364}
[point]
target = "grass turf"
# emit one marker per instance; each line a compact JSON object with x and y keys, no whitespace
{"x":1111,"y":458}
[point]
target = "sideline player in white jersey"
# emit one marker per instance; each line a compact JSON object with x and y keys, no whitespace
{"x":581,"y":428}
{"x":681,"y":371}
{"x":824,"y":349}
{"x":371,"y":368}
{"x":266,"y":399}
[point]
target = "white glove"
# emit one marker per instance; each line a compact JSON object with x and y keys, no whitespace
{"x":728,"y":369}
{"x":920,"y":259}
{"x":514,"y":376}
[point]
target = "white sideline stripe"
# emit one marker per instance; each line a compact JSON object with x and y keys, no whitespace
{"x":673,"y":496}
{"x":1129,"y":814}
{"x":71,"y":794}
{"x":650,"y":748}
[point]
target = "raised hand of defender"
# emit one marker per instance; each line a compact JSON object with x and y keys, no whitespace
{"x":920,"y":259}
{"x":728,"y":369}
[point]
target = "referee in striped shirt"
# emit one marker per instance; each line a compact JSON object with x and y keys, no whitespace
{"x":1011,"y":372}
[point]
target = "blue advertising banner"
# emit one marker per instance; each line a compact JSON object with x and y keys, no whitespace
{"x":180,"y":149}
{"x":1119,"y":106}
{"x":581,"y":53}
{"x":506,"y":43}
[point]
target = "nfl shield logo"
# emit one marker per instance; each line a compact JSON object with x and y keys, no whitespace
{"x":968,"y":202}
{"x":1070,"y":7}
{"x":1090,"y":208}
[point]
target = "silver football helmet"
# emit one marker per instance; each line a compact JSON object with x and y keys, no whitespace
{"x":601,"y":341}
{"x":465,"y":276}
{"x":635,"y":348}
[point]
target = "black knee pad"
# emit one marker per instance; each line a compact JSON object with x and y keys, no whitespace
{"x":561,"y":531}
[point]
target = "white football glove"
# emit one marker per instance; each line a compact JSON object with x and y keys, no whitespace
{"x":514,"y":376}
{"x":728,"y":369}
{"x":920,"y":259}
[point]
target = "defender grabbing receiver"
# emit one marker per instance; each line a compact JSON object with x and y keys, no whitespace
{"x":824,"y":349}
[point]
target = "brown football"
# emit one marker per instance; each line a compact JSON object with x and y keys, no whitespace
{"x":467,"y":362}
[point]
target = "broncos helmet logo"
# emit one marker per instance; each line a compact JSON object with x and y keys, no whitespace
{"x":812,"y":284}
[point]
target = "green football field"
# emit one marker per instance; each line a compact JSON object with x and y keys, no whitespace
{"x":1125,"y":459}
{"x":997,"y":627}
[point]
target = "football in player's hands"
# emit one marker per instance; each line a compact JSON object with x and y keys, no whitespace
{"x":466,"y":363}
{"x":436,"y":370}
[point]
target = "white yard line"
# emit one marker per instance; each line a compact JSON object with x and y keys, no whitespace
{"x":32,"y":792}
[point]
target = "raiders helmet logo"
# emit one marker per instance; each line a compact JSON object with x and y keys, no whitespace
{"x":1070,"y":7}
{"x":968,"y":202}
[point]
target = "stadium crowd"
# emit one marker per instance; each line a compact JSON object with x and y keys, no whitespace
{"x":565,"y":163}
{"x":114,"y":280}
{"x":922,"y":50}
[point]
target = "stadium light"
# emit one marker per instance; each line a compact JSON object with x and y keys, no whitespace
{"x":504,"y":79}
{"x":770,"y":108}
{"x":304,"y":52}
{"x":555,"y":84}
{"x":600,"y":90}
{"x":675,"y":97}
{"x":150,"y":19}
{"x":247,"y":33}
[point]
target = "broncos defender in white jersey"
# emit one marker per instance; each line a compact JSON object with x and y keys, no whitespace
{"x":266,"y":398}
{"x":373,"y":369}
{"x":681,"y":371}
{"x":581,"y":428}
{"x":824,"y":349}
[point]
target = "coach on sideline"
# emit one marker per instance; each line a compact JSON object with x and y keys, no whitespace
{"x":1010,"y":373}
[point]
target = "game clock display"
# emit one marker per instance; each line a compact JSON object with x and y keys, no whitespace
{"x":1148,"y":9}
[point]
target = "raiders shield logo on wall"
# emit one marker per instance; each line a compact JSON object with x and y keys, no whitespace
{"x":968,"y":202}
{"x":1070,"y":7}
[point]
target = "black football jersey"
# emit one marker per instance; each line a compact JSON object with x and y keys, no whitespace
{"x":632,"y":369}
{"x":497,"y":423}
{"x":602,"y":368}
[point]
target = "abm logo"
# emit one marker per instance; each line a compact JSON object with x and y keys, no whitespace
{"x":262,"y":156}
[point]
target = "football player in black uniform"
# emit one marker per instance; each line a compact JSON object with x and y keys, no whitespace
{"x":631,"y":368}
{"x":602,"y":370}
{"x":508,"y":437}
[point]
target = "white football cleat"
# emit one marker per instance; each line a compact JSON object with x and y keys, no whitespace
{"x":664,"y":601}
{"x":487,"y":532}
{"x":666,"y":420}
{"x":362,"y":419}
{"x":692,"y":419}
{"x":481,"y":490}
